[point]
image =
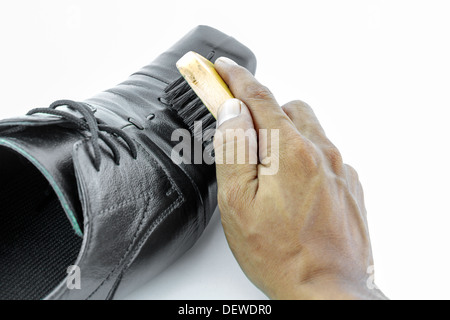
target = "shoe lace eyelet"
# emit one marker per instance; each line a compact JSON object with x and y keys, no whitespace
{"x":95,"y":128}
{"x":135,"y":123}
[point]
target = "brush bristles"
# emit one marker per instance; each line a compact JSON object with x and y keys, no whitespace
{"x":179,"y":97}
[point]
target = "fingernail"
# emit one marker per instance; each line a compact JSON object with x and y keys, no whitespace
{"x":226,"y":61}
{"x":229,"y":110}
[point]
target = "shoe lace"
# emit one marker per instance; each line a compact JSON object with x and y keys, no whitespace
{"x":94,"y":126}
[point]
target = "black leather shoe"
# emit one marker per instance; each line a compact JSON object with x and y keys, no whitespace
{"x":92,"y":184}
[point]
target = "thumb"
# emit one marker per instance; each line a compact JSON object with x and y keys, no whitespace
{"x":236,"y":152}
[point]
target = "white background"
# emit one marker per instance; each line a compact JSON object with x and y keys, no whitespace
{"x":377,"y":74}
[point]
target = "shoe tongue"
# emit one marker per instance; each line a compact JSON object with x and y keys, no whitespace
{"x":49,"y":148}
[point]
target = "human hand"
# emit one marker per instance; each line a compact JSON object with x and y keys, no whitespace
{"x":302,"y":232}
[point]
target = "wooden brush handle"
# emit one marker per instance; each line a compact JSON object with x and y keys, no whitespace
{"x":204,"y":80}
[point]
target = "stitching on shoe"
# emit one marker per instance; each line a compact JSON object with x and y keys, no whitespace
{"x":154,"y":225}
{"x":152,"y":228}
{"x":194,"y":184}
{"x":142,"y":212}
{"x":124,"y":203}
{"x":180,"y":200}
{"x":138,"y":229}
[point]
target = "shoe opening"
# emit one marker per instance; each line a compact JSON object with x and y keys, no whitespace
{"x":37,"y":242}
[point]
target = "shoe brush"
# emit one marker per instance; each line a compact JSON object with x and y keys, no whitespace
{"x":204,"y":80}
{"x":197,"y":95}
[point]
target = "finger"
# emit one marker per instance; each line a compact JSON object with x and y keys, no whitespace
{"x":356,"y":190}
{"x":354,"y":184}
{"x":309,"y":126}
{"x":304,"y":120}
{"x":269,"y":120}
{"x":263,"y":107}
{"x":236,"y":148}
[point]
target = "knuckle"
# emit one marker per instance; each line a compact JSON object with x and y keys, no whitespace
{"x":290,"y":110}
{"x":352,"y":172}
{"x":334,"y":157}
{"x":350,"y":169}
{"x":304,"y":118}
{"x":258,"y":92}
{"x":304,"y":152}
{"x":298,"y":106}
